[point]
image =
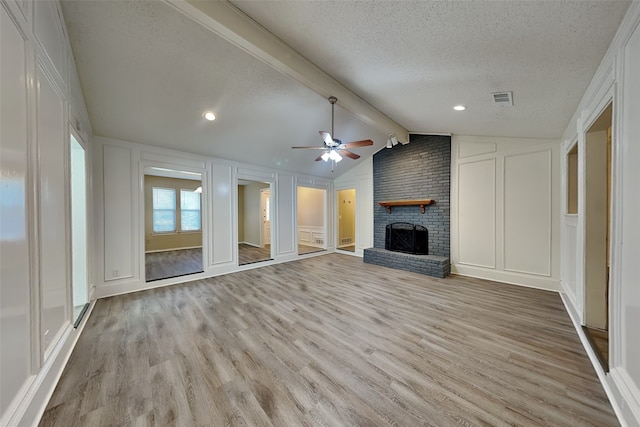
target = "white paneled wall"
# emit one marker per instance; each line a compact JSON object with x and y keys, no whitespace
{"x":476,"y":237}
{"x":35,"y":249}
{"x":119,"y":211}
{"x":15,"y":219}
{"x":505,"y":210}
{"x":627,"y":302}
{"x":528,"y":212}
{"x":616,"y":81}
{"x":285,"y":222}
{"x":118,"y":218}
{"x":223,"y":220}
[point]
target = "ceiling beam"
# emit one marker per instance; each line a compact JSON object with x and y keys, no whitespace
{"x":233,"y":25}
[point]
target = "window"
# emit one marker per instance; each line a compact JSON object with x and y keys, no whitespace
{"x":189,"y":210}
{"x":164,"y":210}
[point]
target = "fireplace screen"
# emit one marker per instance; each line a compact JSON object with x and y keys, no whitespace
{"x":407,"y":238}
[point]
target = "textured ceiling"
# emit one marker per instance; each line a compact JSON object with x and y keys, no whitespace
{"x":148,"y":72}
{"x":415,"y":60}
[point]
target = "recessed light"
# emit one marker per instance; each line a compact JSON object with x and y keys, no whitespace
{"x":209,"y":116}
{"x":459,"y":108}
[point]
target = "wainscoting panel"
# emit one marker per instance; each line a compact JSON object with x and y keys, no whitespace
{"x":285,"y":214}
{"x":506,"y":210}
{"x":311,"y":236}
{"x":118,"y":207}
{"x":222,"y":213}
{"x":527,"y":213}
{"x":477,"y":228}
{"x":474,"y":148}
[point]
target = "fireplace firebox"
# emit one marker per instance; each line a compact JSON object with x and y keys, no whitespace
{"x":406,"y":237}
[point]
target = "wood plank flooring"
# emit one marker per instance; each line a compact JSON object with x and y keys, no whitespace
{"x":306,"y":249}
{"x":248,"y":254}
{"x":328,"y":341}
{"x":162,"y":265}
{"x":599,"y":340}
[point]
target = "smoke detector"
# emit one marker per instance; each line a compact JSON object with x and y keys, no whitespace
{"x":503,"y":98}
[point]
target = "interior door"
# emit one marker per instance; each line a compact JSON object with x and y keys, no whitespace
{"x":265,"y":204}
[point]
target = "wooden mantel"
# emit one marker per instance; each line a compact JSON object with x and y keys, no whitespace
{"x":418,"y":202}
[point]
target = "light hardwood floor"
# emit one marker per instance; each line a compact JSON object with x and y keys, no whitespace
{"x":329,"y":341}
{"x":305,"y":249}
{"x":599,"y":340}
{"x":180,"y":262}
{"x":248,"y":254}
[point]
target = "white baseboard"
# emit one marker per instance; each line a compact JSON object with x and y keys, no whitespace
{"x":172,"y":249}
{"x":630,"y":396}
{"x":356,"y":254}
{"x":520,"y":279}
{"x":129,"y":285}
{"x":249,"y":244}
{"x":34,"y":402}
{"x":314,"y":245}
{"x":623,"y":395}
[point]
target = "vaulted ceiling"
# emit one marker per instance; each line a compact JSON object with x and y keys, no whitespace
{"x":149,"y":69}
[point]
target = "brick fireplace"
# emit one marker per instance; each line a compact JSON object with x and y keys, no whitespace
{"x":416,"y":171}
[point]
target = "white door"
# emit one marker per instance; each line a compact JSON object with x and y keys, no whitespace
{"x":265,"y":204}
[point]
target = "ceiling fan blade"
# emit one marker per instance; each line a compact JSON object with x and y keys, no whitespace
{"x":312,"y":147}
{"x":347,"y":153}
{"x":319,"y":158}
{"x":362,"y":143}
{"x":326,"y":137}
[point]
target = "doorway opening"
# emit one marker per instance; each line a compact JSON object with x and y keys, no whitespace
{"x":254,"y":222}
{"x":311,"y":220}
{"x":598,"y":170}
{"x":173,"y":225}
{"x":347,"y":219}
{"x":79,"y":271}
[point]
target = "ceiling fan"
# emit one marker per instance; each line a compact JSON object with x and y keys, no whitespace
{"x":334,"y":148}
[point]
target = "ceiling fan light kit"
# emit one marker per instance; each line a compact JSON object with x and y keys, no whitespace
{"x":334,"y":148}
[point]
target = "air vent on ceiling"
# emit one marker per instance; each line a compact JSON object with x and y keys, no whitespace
{"x":503,"y":98}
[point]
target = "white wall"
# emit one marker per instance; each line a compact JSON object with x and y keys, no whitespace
{"x":311,"y":210}
{"x":626,"y":361}
{"x":615,"y":81}
{"x":118,"y":174}
{"x":15,"y":221}
{"x":41,"y":96}
{"x":505,"y":210}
